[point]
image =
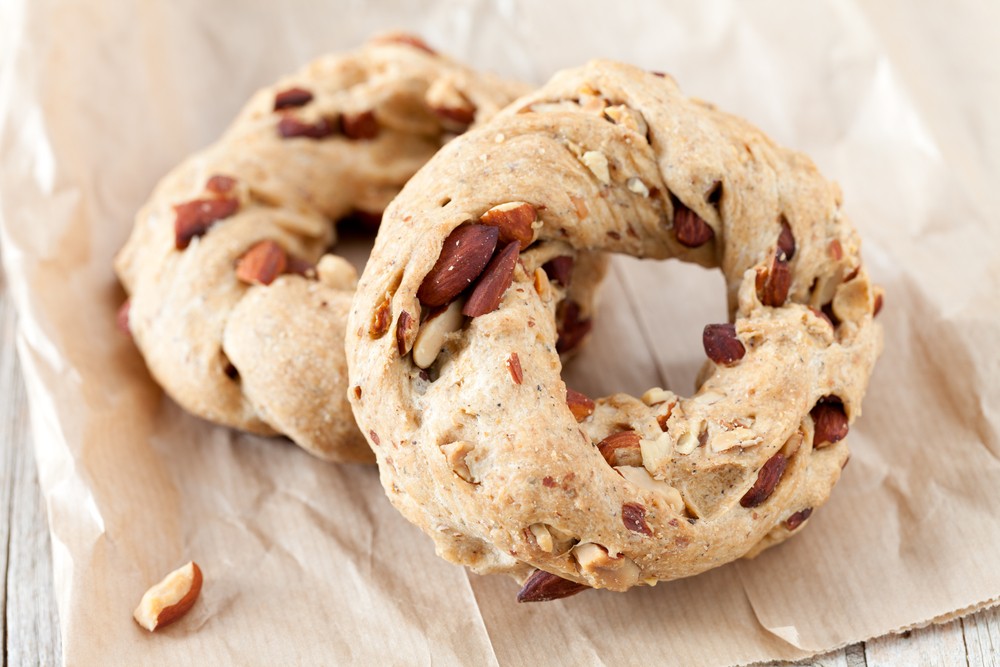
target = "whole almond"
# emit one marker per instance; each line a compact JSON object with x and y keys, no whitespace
{"x":514,"y":220}
{"x":579,"y":404}
{"x":571,"y":328}
{"x":493,"y":282}
{"x":543,"y":586}
{"x":767,"y":480}
{"x":559,"y":269}
{"x":362,"y":125}
{"x":796,"y":520}
{"x":292,"y":97}
{"x":690,"y":229}
{"x":621,"y":449}
{"x":634,"y":518}
{"x":262,"y":263}
{"x":440,"y":323}
{"x":301,"y":267}
{"x":193,"y":218}
{"x":774,"y":282}
{"x":721,"y":344}
{"x":830,"y":422}
{"x":290,"y":127}
{"x":786,"y":241}
{"x":464,"y":255}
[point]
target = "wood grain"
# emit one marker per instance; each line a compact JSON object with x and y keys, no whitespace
{"x":30,"y":621}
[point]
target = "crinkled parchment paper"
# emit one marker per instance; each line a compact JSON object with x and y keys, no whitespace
{"x":305,"y":562}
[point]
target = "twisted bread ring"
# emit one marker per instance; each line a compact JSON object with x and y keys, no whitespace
{"x":237,"y":315}
{"x":489,"y":452}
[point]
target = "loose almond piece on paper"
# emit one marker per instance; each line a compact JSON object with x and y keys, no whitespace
{"x":170,"y":599}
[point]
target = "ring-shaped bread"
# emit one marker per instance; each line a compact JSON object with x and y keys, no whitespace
{"x":236,"y":309}
{"x":479,"y":441}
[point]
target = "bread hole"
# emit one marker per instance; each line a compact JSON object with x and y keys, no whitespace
{"x":714,"y":196}
{"x":354,"y":240}
{"x":673,"y":357}
{"x":444,"y":202}
{"x":229,"y":368}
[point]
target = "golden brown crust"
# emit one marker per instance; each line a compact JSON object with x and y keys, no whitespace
{"x":224,"y":303}
{"x":501,"y":474}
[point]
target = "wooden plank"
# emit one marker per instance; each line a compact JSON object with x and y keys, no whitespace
{"x":933,"y":646}
{"x":30,"y":623}
{"x":982,"y":638}
{"x":854,"y":655}
{"x":836,"y":658}
{"x":7,"y":464}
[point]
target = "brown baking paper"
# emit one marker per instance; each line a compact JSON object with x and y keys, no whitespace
{"x":306,"y":562}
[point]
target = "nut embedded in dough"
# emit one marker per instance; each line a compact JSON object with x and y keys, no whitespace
{"x":433,"y":333}
{"x":516,"y":221}
{"x":464,"y":254}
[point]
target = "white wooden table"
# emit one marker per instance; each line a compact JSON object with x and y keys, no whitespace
{"x":30,"y":620}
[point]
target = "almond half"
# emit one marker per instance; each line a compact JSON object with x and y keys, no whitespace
{"x":621,"y":449}
{"x":515,"y":221}
{"x":170,"y":599}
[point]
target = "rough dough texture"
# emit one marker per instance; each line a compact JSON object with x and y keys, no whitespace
{"x":494,"y":465}
{"x":337,"y":138}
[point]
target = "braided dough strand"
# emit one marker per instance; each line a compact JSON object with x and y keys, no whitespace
{"x":486,"y":451}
